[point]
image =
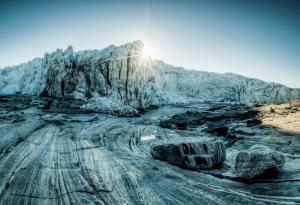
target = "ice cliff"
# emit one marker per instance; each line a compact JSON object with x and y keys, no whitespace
{"x":186,"y":85}
{"x":126,"y":79}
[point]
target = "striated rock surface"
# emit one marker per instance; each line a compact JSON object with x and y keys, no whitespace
{"x":55,"y":158}
{"x":258,"y":160}
{"x":191,"y":155}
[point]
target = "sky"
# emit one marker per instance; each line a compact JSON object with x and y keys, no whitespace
{"x":257,"y":38}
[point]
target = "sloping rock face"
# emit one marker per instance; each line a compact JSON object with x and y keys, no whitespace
{"x":121,"y":73}
{"x":191,"y":155}
{"x":258,"y":160}
{"x":68,"y":158}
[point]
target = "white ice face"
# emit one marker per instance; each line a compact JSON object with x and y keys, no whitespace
{"x":127,"y":75}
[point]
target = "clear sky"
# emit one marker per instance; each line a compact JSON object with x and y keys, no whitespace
{"x":254,"y":38}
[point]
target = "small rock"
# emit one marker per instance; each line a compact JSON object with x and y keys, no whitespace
{"x":256,"y":161}
{"x":253,"y":122}
{"x":191,"y":155}
{"x":244,"y":131}
{"x":219,"y":128}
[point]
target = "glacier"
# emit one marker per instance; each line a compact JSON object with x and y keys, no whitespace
{"x":122,"y":78}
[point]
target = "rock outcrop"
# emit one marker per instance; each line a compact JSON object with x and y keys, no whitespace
{"x":191,"y":155}
{"x":215,"y":118}
{"x":258,"y":160}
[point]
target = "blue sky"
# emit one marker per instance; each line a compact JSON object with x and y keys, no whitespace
{"x":258,"y":39}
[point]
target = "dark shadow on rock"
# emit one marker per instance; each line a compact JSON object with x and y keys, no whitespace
{"x":216,"y":119}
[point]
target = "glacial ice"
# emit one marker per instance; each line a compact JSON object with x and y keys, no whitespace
{"x":120,"y":78}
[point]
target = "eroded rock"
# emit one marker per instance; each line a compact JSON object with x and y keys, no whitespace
{"x":258,"y":160}
{"x":191,"y":155}
{"x":195,"y":118}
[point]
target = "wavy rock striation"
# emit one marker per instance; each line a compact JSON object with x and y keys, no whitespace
{"x":91,"y":158}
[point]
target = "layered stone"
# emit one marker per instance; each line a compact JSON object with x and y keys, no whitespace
{"x":191,"y":155}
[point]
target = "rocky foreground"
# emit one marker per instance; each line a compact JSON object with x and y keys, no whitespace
{"x":58,"y":155}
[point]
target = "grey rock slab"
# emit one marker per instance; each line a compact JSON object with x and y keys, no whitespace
{"x":191,"y":154}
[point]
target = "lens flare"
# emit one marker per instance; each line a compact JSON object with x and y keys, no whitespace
{"x":147,"y":51}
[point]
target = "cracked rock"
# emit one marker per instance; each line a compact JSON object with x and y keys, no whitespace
{"x":191,"y":155}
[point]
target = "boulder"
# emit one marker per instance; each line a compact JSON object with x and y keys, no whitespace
{"x":191,"y":155}
{"x":258,"y":160}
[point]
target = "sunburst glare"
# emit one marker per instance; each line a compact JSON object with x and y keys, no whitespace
{"x":147,"y":51}
{"x":145,"y":56}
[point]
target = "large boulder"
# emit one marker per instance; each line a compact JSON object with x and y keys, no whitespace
{"x":191,"y":155}
{"x":258,"y":160}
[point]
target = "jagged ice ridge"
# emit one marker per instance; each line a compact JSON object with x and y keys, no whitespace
{"x":122,"y":78}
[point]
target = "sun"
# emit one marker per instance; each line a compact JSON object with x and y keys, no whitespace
{"x":145,"y":57}
{"x":147,"y":51}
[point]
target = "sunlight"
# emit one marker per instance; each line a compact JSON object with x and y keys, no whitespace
{"x":146,"y":55}
{"x":148,"y":51}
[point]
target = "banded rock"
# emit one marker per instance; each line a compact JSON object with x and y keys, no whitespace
{"x":191,"y":155}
